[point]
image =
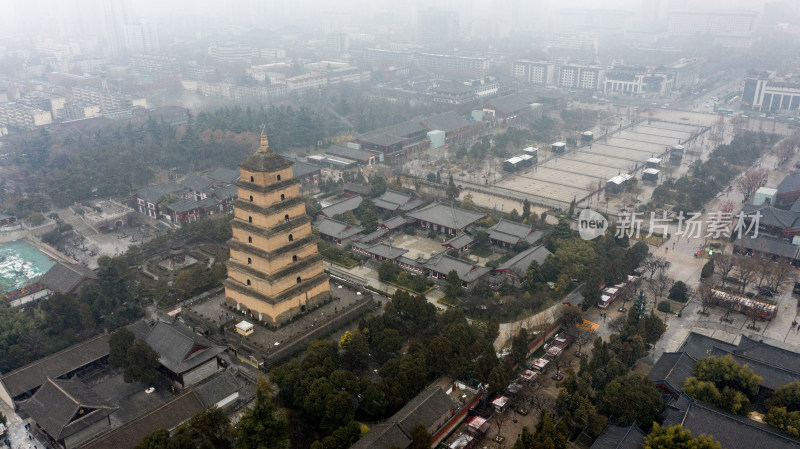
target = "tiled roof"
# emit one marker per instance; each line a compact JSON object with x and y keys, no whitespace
{"x":168,"y":416}
{"x":350,"y":153}
{"x":511,"y":103}
{"x":179,"y":348}
{"x":392,"y":200}
{"x":338,"y":229}
{"x":699,"y":346}
{"x":615,"y":437}
{"x":459,"y":241}
{"x":448,"y":216}
{"x":341,"y":207}
{"x":197,"y":183}
{"x":783,"y":248}
{"x":382,"y":250}
{"x":224,"y":175}
{"x":467,"y":272}
{"x":791,"y":183}
{"x":511,"y":232}
{"x":732,"y":432}
{"x":447,"y":121}
{"x":359,"y":189}
{"x":156,"y":193}
{"x":673,"y":368}
{"x":65,"y":277}
{"x":519,"y":263}
{"x":383,"y":436}
{"x":425,"y":408}
{"x":217,"y":388}
{"x":395,"y":222}
{"x":771,"y":216}
{"x":770,"y":354}
{"x":56,"y":404}
{"x":55,"y":365}
{"x":772,"y":376}
{"x":302,"y":169}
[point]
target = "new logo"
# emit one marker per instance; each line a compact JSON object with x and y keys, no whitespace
{"x":591,"y":224}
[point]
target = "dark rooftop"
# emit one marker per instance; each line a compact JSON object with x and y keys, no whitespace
{"x":66,"y":277}
{"x":224,"y":175}
{"x":338,"y":229}
{"x":673,"y":368}
{"x":35,"y":374}
{"x":341,"y":207}
{"x":616,"y":437}
{"x":350,"y":153}
{"x":448,"y":216}
{"x":791,"y":183}
{"x":65,"y":407}
{"x":519,"y":263}
{"x":447,"y":121}
{"x":393,"y":201}
{"x":179,"y":348}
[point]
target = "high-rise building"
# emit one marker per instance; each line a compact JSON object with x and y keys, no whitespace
{"x":274,"y":271}
{"x":437,"y":27}
{"x":141,"y":37}
{"x":116,"y":13}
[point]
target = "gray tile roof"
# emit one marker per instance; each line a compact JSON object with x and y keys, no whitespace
{"x":510,"y":104}
{"x":519,"y":263}
{"x":338,"y":229}
{"x":511,"y":232}
{"x":447,"y":121}
{"x":156,"y":193}
{"x":224,"y":175}
{"x":179,"y":348}
{"x":341,"y":207}
{"x":732,"y":432}
{"x":459,"y":241}
{"x":302,"y":169}
{"x":197,"y":183}
{"x":168,"y":416}
{"x":66,"y":277}
{"x":65,"y":407}
{"x":395,"y":222}
{"x":467,"y":272}
{"x":699,"y":346}
{"x":374,"y":235}
{"x":444,"y":215}
{"x":673,"y":368}
{"x":55,"y":365}
{"x":226,"y":192}
{"x":771,"y":216}
{"x":791,"y":183}
{"x":615,"y":437}
{"x":425,"y":408}
{"x":350,"y":153}
{"x":393,"y":201}
{"x":217,"y":388}
{"x":769,"y":354}
{"x":764,"y":244}
{"x":360,"y":189}
{"x":383,"y":436}
{"x":772,"y":376}
{"x":382,"y":250}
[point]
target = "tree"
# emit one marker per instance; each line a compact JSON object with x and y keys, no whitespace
{"x":548,"y":435}
{"x":571,"y":316}
{"x":659,"y":285}
{"x":724,"y":264}
{"x":452,"y":285}
{"x":632,"y":399}
{"x":679,"y":292}
{"x":708,"y":269}
{"x":655,"y":264}
{"x":420,"y":438}
{"x":498,"y":379}
{"x":582,"y":337}
{"x":676,"y":437}
{"x":571,"y":211}
{"x":575,"y":256}
{"x":786,"y":396}
{"x":119,"y":343}
{"x":263,"y":426}
{"x":750,"y":181}
{"x":526,"y":209}
{"x":519,"y":346}
{"x":780,"y":418}
{"x":745,"y":271}
{"x":142,"y":363}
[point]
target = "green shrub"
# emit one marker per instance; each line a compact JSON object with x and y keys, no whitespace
{"x":664,"y":306}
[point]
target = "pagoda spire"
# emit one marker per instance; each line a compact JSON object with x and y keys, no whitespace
{"x":264,"y":147}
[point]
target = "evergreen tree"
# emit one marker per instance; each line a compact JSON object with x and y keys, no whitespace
{"x":572,"y":204}
{"x":640,"y":305}
{"x":263,"y":426}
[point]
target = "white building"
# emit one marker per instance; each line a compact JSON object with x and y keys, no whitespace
{"x":141,"y":37}
{"x":23,"y":117}
{"x":541,"y":73}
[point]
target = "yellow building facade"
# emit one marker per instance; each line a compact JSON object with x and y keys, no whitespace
{"x":275,"y":271}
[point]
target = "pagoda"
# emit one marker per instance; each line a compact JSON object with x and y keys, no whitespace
{"x":274,"y":270}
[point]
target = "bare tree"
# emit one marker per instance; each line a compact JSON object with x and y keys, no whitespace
{"x":626,"y":295}
{"x":660,"y":285}
{"x":559,"y":362}
{"x":782,"y":276}
{"x":763,"y":269}
{"x":500,"y":419}
{"x":724,"y":264}
{"x":751,"y":181}
{"x":656,"y":264}
{"x":582,"y":337}
{"x":745,"y":271}
{"x":617,"y":324}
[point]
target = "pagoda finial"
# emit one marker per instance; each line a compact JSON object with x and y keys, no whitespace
{"x":264,"y":147}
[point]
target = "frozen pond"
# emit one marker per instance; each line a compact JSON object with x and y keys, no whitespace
{"x":20,"y":263}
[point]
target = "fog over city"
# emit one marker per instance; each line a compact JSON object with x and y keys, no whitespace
{"x":386,"y":224}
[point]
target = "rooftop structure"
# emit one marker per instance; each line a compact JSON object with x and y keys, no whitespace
{"x":445,"y":219}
